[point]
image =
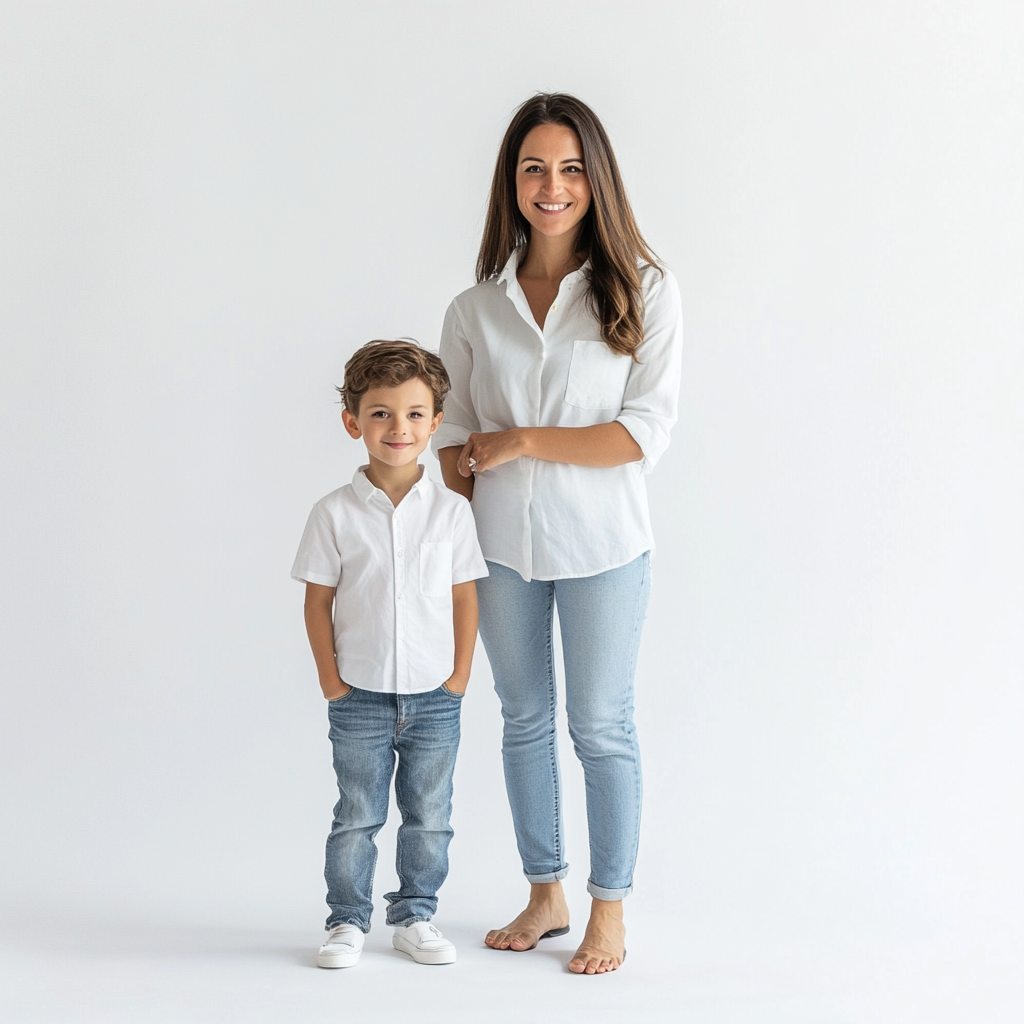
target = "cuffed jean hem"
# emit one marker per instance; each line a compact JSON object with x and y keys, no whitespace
{"x":403,"y":910}
{"x":550,"y":876}
{"x":335,"y":919}
{"x":600,"y":893}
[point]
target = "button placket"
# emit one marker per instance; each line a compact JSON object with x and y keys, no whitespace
{"x":398,"y":550}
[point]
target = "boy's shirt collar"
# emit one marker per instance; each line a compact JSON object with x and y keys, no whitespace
{"x":365,"y":490}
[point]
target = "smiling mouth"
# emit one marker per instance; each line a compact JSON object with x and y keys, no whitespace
{"x":553,"y":207}
{"x":398,"y":444}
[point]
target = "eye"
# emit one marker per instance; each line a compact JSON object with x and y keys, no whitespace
{"x":533,"y":168}
{"x":573,"y":169}
{"x":379,"y":414}
{"x":416,"y":415}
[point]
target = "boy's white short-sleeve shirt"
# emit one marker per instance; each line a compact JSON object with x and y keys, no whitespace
{"x":394,"y":569}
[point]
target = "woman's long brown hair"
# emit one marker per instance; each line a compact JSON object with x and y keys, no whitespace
{"x":608,"y":235}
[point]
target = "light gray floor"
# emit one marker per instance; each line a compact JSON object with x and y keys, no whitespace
{"x":106,"y":969}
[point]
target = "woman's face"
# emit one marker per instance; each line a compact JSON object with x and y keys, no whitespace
{"x":552,"y":187}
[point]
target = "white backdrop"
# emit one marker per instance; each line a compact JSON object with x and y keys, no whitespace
{"x":207,"y":206}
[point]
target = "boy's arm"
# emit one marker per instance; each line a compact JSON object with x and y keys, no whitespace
{"x":465,"y":619}
{"x":320,"y":630}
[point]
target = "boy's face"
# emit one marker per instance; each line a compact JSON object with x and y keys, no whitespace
{"x":394,"y":423}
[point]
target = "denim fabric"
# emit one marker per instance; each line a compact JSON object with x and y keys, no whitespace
{"x":601,"y":618}
{"x":367,"y":731}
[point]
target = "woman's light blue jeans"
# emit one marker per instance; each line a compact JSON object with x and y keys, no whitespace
{"x":601,"y":618}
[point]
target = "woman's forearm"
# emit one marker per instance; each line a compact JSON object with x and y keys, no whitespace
{"x":600,"y":445}
{"x":604,"y":444}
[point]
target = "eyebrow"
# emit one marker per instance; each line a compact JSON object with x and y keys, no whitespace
{"x":537,"y":159}
{"x":382,"y":405}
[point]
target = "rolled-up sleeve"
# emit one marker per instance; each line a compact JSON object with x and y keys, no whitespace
{"x":650,"y":402}
{"x":460,"y":419}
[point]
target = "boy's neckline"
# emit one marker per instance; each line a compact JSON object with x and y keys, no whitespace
{"x":395,"y":481}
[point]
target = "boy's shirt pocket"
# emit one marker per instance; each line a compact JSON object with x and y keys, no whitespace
{"x":436,"y":568}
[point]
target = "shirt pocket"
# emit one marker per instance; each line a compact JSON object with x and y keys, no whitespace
{"x":597,"y":376}
{"x":436,"y":568}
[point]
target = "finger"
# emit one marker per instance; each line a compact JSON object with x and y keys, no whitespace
{"x":468,"y":462}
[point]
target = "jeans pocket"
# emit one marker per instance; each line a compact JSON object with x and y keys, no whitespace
{"x":335,"y":701}
{"x":452,"y":693}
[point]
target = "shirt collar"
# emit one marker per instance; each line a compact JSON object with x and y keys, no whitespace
{"x":365,"y":490}
{"x":508,"y":272}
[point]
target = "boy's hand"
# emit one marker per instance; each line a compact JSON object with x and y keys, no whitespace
{"x":455,"y":684}
{"x":334,"y":692}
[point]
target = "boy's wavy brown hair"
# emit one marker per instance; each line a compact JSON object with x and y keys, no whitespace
{"x":386,"y":364}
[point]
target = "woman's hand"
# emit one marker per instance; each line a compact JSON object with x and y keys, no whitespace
{"x":491,"y":449}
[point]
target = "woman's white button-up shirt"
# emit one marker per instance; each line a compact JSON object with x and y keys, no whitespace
{"x":550,"y":520}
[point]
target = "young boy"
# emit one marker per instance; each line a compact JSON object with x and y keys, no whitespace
{"x":396,"y":556}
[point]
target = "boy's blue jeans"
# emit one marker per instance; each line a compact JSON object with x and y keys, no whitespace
{"x":368,"y":730}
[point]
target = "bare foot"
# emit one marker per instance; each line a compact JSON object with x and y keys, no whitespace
{"x":547,"y":911}
{"x":604,"y":945}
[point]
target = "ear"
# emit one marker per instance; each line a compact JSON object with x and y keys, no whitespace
{"x":351,"y":424}
{"x":436,"y":421}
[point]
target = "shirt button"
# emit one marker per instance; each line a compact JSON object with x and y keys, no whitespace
{"x":554,"y":308}
{"x":401,"y":554}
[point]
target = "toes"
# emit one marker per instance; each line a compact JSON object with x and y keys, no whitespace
{"x":581,"y":963}
{"x":585,"y":963}
{"x":502,"y":940}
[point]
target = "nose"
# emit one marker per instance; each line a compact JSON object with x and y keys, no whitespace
{"x":549,"y":184}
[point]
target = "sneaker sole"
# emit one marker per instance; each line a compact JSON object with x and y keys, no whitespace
{"x":430,"y":957}
{"x":337,"y":959}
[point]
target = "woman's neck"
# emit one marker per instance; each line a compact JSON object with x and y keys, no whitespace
{"x":549,"y":259}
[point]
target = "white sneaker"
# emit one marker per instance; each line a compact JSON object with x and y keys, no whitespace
{"x":342,"y":948}
{"x":424,"y":943}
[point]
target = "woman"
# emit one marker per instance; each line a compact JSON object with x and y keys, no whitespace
{"x":564,"y":361}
